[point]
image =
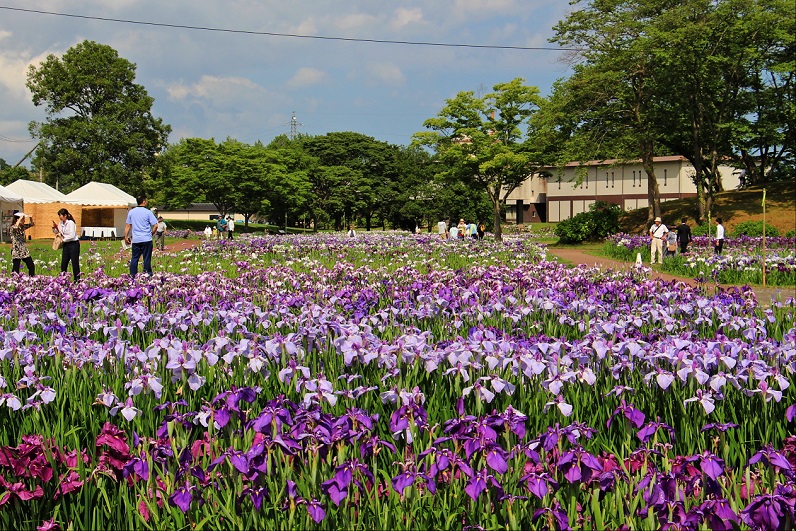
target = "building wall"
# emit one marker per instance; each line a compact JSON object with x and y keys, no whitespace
{"x":572,"y":189}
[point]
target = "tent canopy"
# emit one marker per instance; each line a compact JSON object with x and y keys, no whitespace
{"x":9,"y":199}
{"x":101,"y":194}
{"x":36,"y":192}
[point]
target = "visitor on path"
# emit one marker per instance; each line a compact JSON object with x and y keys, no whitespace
{"x":160,"y":234}
{"x":208,"y":232}
{"x":657,"y":233}
{"x":671,"y":244}
{"x":141,"y":226}
{"x":481,"y":231}
{"x":472,"y":231}
{"x":351,"y":232}
{"x":453,"y":234}
{"x":70,"y":252}
{"x":230,"y":228}
{"x":684,"y":236}
{"x":221,"y":226}
{"x":718,"y":245}
{"x":442,"y":229}
{"x":19,"y":251}
{"x":462,"y":226}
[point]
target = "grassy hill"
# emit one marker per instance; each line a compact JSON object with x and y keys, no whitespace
{"x":733,"y":207}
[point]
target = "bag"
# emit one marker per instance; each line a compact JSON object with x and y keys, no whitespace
{"x":58,"y":242}
{"x":672,"y":247}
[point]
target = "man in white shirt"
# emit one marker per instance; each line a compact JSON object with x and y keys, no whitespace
{"x":658,"y":232}
{"x":230,"y":228}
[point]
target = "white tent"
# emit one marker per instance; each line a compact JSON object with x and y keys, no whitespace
{"x":36,"y":192}
{"x":104,"y":205}
{"x":101,"y":194}
{"x":9,"y":201}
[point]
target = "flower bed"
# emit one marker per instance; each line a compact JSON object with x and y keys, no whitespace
{"x":391,"y":382}
{"x":740,"y":263}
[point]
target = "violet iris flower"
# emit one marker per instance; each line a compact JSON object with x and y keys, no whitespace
{"x":633,"y":415}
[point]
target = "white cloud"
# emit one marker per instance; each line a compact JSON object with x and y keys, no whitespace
{"x":406,"y":17}
{"x":355,"y":21}
{"x":305,"y":77}
{"x":385,"y":74}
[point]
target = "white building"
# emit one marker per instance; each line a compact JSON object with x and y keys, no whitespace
{"x":571,"y":190}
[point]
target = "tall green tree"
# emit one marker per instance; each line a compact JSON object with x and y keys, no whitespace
{"x":99,"y":123}
{"x":612,"y":94}
{"x":481,"y":140}
{"x":363,"y":187}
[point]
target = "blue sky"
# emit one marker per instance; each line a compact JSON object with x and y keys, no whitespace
{"x":246,"y":86}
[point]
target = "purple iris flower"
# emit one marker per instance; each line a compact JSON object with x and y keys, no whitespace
{"x":496,"y":458}
{"x":182,"y":497}
{"x":719,"y":427}
{"x":633,"y":415}
{"x":480,"y":482}
{"x":647,"y":432}
{"x":767,"y":511}
{"x":718,"y":515}
{"x":772,"y":458}
{"x":539,"y":484}
{"x":256,"y":494}
{"x":556,"y":517}
{"x":403,"y":480}
{"x":711,"y":465}
{"x":316,"y":510}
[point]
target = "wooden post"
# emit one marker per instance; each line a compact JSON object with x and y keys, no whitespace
{"x":764,"y":236}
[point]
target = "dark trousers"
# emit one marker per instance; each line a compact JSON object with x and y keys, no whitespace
{"x":160,"y":239}
{"x":683,"y":247}
{"x":17,"y":262}
{"x":71,"y":253}
{"x":229,"y":234}
{"x":141,"y":250}
{"x":719,"y":246}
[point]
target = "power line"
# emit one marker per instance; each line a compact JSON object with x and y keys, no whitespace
{"x":4,"y":138}
{"x":292,"y":35}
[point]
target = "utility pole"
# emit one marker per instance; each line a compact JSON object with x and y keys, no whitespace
{"x":294,"y":123}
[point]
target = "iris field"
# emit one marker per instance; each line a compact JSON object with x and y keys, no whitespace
{"x":390,"y":382}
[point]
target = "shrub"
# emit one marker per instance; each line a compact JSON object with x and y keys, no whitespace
{"x":703,"y":230}
{"x":605,"y":218}
{"x":575,"y":229}
{"x":599,"y":222}
{"x":791,"y":233}
{"x":754,"y":228}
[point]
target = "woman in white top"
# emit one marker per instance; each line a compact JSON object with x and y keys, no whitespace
{"x":70,"y":252}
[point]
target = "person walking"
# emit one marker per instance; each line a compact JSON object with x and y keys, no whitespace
{"x":230,"y":228}
{"x":70,"y":252}
{"x":160,"y":234}
{"x":442,"y":229}
{"x":221,"y":225}
{"x":658,"y":232}
{"x":684,"y":235}
{"x":19,"y":251}
{"x":719,"y":243}
{"x":141,"y":226}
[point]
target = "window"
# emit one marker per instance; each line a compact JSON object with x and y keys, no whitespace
{"x":664,"y":176}
{"x":559,"y":182}
{"x":612,"y":180}
{"x":634,"y":178}
{"x":587,"y":179}
{"x":606,"y":178}
{"x":533,"y":214}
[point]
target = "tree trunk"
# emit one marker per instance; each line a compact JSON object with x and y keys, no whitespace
{"x":653,"y":192}
{"x":497,"y":220}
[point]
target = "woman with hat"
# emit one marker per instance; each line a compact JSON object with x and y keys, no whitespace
{"x":19,"y":251}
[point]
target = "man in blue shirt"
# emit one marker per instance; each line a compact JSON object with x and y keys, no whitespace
{"x":141,"y":225}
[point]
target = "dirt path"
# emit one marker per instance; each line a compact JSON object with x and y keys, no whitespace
{"x":764,"y":294}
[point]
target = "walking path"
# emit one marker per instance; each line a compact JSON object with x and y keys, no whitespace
{"x":764,"y":294}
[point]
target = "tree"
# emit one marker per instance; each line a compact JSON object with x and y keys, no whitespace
{"x":614,"y":88}
{"x":99,"y":122}
{"x":480,"y":140}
